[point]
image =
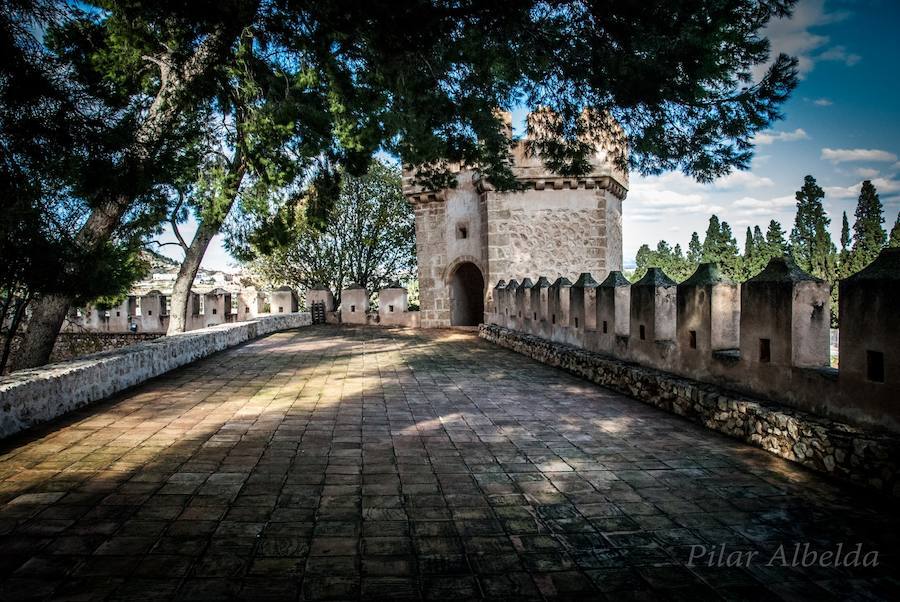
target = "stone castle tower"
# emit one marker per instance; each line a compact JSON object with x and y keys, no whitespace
{"x":470,"y":237}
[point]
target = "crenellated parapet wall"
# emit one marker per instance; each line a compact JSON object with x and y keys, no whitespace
{"x":868,"y":457}
{"x":149,"y":313}
{"x":767,"y":338}
{"x":355,"y":308}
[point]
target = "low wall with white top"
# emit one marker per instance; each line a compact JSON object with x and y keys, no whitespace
{"x":30,"y":397}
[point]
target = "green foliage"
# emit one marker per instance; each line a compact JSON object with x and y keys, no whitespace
{"x":654,"y":66}
{"x":116,"y":106}
{"x":775,"y":241}
{"x":844,"y":268}
{"x":754,"y":258}
{"x":671,"y":260}
{"x":370,"y":240}
{"x":811,"y":243}
{"x":868,"y":235}
{"x":894,"y":240}
{"x":695,"y":249}
{"x":720,"y":247}
{"x":59,"y":139}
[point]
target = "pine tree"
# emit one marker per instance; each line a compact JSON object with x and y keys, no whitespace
{"x":729,"y":255}
{"x":811,"y":243}
{"x":775,"y":243}
{"x":894,"y":241}
{"x":721,"y":247}
{"x":759,"y":254}
{"x":711,"y":241}
{"x":695,"y":249}
{"x":759,"y":241}
{"x":748,"y":242}
{"x":671,"y":260}
{"x":156,"y":70}
{"x":868,"y":235}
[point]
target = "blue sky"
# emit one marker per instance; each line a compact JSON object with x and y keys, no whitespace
{"x":842,"y":125}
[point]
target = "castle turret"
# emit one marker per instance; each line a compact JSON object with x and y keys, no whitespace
{"x":472,"y":234}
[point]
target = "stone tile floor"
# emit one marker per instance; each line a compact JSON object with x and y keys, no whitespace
{"x":339,"y":463}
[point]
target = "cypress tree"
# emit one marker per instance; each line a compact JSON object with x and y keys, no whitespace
{"x":775,"y":243}
{"x":811,"y":243}
{"x":845,"y":233}
{"x":759,"y":253}
{"x":695,"y":249}
{"x":728,"y":253}
{"x":745,"y":261}
{"x":894,"y":241}
{"x":868,"y":235}
{"x":759,"y":241}
{"x":711,"y":241}
{"x":844,"y":259}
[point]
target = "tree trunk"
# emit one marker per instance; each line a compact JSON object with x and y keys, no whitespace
{"x":181,"y":292}
{"x":50,"y":310}
{"x":13,"y":328}
{"x":193,"y":255}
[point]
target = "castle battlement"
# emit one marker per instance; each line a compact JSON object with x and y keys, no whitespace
{"x":767,"y":337}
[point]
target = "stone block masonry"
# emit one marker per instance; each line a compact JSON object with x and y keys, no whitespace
{"x":70,"y":345}
{"x":471,"y":234}
{"x":767,"y":337}
{"x":860,"y":455}
{"x":30,"y":397}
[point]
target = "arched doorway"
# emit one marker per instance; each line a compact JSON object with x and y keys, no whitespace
{"x":466,"y":295}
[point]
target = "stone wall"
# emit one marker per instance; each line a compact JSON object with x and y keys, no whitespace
{"x":554,"y":225}
{"x":70,"y":345}
{"x":30,"y":397}
{"x":552,"y":232}
{"x":149,"y":313}
{"x":867,"y":457}
{"x":767,"y":337}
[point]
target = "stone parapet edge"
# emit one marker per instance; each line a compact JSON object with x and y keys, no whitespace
{"x":849,"y":453}
{"x":34,"y":396}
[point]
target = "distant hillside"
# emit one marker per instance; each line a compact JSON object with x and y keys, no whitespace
{"x":159,"y":262}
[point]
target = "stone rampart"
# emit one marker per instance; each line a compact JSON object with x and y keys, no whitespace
{"x":767,"y":337}
{"x":30,"y":397}
{"x":864,"y":456}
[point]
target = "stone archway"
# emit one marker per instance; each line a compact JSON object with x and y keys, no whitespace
{"x":466,"y":295}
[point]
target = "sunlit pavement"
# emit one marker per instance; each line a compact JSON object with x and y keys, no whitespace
{"x":348,"y":463}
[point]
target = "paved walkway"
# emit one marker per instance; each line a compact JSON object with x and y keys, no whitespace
{"x":348,"y":463}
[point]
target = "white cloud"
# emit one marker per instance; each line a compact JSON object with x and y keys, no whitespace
{"x":794,"y":36}
{"x":750,"y":206}
{"x":773,"y":203}
{"x":866,"y":172}
{"x":884,"y":186}
{"x":840,"y":55}
{"x":846,"y":155}
{"x":742,"y":179}
{"x":768,"y":137}
{"x":822,"y":102}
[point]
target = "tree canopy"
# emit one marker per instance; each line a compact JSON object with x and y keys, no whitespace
{"x":811,"y":243}
{"x":894,"y":240}
{"x":422,"y":81}
{"x":370,"y":241}
{"x":869,"y":236}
